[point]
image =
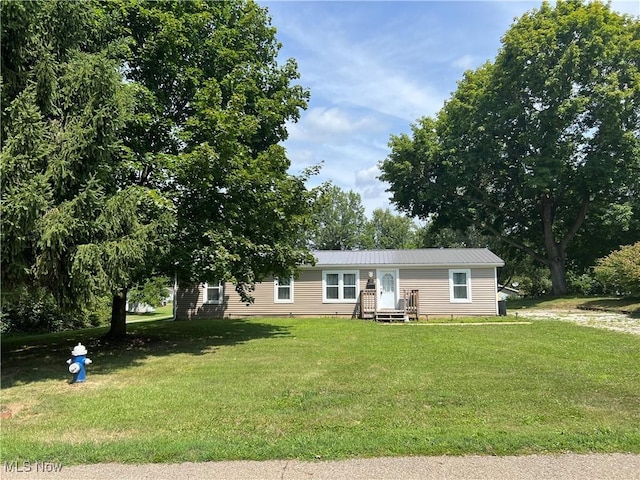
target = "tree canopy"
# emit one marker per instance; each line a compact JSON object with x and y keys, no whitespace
{"x":213,"y":111}
{"x":532,"y":143}
{"x":338,"y":220}
{"x":386,"y":230}
{"x":142,"y":138}
{"x":67,"y":224}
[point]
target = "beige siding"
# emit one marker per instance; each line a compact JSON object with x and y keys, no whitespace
{"x":190,"y":304}
{"x":433,"y":284}
{"x":307,"y":296}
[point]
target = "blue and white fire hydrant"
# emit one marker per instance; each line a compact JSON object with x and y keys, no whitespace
{"x":77,"y":363}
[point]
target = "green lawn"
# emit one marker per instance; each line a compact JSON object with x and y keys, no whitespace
{"x":160,"y":313}
{"x":320,"y":388}
{"x":613,"y":304}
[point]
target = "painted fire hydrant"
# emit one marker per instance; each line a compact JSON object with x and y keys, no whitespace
{"x":77,"y":363}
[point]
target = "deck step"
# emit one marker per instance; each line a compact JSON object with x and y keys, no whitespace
{"x":391,"y":315}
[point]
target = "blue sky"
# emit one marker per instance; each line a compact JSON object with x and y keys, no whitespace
{"x":375,"y":67}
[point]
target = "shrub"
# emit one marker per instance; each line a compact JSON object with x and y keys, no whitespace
{"x":33,"y":311}
{"x":586,"y":284}
{"x":534,"y":283}
{"x":620,"y":270}
{"x":99,"y":312}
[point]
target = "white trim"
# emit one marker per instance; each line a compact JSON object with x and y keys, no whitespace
{"x":467,"y":272}
{"x":340,"y":286}
{"x":495,"y":277}
{"x":276,"y":286}
{"x":219,"y":300}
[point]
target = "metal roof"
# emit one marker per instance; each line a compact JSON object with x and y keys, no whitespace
{"x":418,"y":257}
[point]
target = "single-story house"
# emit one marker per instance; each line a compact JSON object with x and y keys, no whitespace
{"x":381,"y":284}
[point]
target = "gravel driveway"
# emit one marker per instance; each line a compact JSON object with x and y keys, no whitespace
{"x":588,"y":318}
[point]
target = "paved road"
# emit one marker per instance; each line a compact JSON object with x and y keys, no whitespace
{"x":533,"y":467}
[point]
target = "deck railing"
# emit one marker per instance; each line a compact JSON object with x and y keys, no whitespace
{"x":410,"y":303}
{"x":368,"y":303}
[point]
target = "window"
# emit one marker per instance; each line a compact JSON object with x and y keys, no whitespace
{"x":283,"y":290}
{"x":213,"y":293}
{"x":340,"y":286}
{"x":460,"y":286}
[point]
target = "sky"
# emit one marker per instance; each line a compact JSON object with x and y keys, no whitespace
{"x":375,"y":67}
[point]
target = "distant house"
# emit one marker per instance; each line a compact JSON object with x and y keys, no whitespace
{"x":510,"y":292}
{"x":381,"y":284}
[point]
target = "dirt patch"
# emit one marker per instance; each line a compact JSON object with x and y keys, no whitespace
{"x":11,"y":409}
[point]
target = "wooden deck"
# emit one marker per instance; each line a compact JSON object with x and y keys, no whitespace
{"x":410,"y":303}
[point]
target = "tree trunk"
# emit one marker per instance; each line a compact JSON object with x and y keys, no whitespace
{"x":555,"y":251}
{"x":558,"y":276}
{"x":118,"y":315}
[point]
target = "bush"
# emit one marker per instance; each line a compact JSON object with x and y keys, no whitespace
{"x":32,"y":311}
{"x":99,"y":312}
{"x":534,"y":283}
{"x":586,"y":284}
{"x":620,"y":270}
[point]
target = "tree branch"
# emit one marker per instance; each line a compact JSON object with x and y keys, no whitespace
{"x":508,"y":240}
{"x":582,"y":215}
{"x":481,"y":201}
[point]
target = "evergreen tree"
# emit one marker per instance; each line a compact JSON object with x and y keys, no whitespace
{"x":142,"y":138}
{"x":68,"y":224}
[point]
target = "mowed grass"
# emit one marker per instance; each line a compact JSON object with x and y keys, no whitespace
{"x":627,"y":305}
{"x":160,"y":313}
{"x":321,"y":388}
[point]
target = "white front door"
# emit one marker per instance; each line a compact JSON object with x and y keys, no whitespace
{"x":387,"y":290}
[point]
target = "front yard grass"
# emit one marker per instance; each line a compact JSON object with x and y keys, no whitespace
{"x":320,"y":388}
{"x":164,"y":312}
{"x":627,"y":305}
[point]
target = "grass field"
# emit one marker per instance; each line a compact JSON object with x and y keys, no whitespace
{"x":613,"y":304}
{"x":320,"y":388}
{"x":160,"y":313}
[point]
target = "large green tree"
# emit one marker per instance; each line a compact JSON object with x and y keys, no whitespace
{"x":531,"y":143}
{"x":213,"y":106}
{"x":386,"y":230}
{"x":142,"y":138}
{"x":68,"y":224}
{"x":338,"y":220}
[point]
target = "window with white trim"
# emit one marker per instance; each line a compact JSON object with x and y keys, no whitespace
{"x":460,"y":285}
{"x":283,"y":290}
{"x":340,"y":286}
{"x":213,"y":293}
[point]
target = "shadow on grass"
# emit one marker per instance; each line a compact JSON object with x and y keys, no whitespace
{"x":35,"y":358}
{"x":629,"y":306}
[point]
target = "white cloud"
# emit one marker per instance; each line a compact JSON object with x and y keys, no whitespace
{"x":464,"y":62}
{"x":366,"y":79}
{"x":300,"y":158}
{"x":375,"y":67}
{"x":346,"y":63}
{"x":374,"y":197}
{"x":367,"y":176}
{"x":322,"y":123}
